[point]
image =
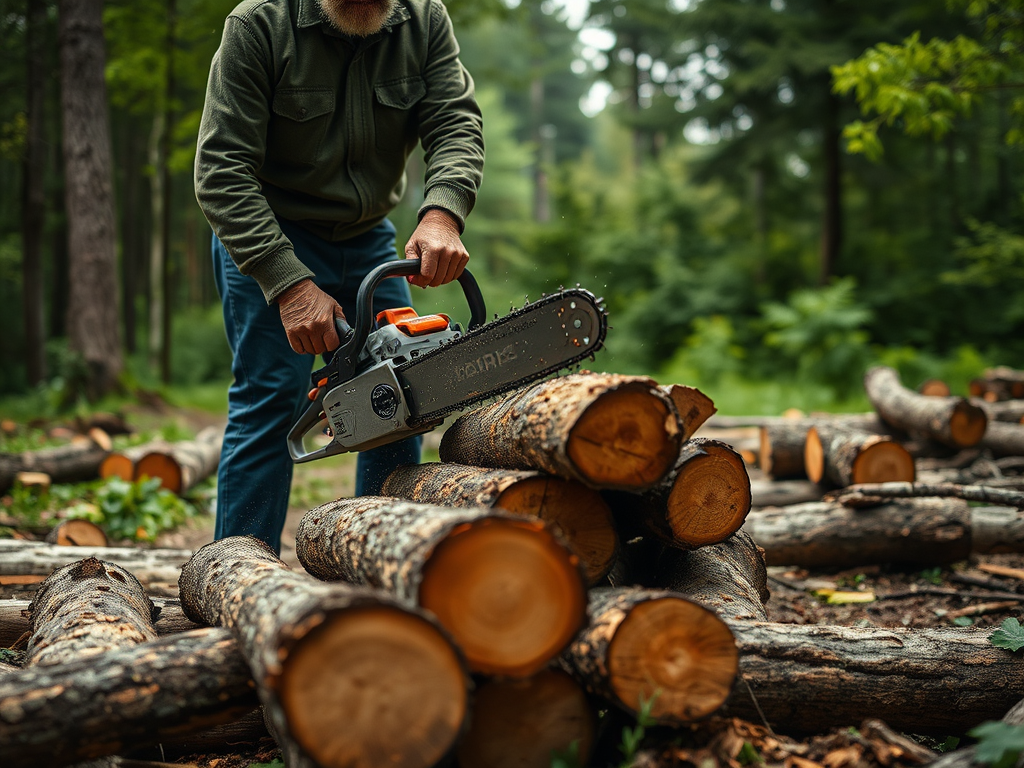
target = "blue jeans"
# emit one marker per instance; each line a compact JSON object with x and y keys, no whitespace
{"x":271,"y":380}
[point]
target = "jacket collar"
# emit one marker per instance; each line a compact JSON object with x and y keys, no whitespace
{"x":309,"y":16}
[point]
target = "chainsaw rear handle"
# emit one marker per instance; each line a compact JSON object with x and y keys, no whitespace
{"x":349,"y":350}
{"x":353,"y":340}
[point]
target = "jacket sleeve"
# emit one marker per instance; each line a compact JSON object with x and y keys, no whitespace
{"x":232,"y":146}
{"x":450,"y":125}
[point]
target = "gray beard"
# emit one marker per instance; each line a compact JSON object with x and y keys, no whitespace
{"x":358,"y":20}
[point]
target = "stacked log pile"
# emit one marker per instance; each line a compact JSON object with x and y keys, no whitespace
{"x":576,"y":549}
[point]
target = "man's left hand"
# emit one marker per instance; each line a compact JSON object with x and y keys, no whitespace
{"x":436,"y":241}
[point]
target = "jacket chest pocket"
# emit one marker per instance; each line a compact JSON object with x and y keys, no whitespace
{"x":393,"y":111}
{"x":298,"y":124}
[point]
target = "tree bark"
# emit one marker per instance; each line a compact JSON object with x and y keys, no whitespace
{"x":692,"y":405}
{"x":952,"y":421}
{"x":33,"y":211}
{"x":872,"y":494}
{"x":813,"y":678}
{"x":842,"y":457}
{"x":1004,"y":439}
{"x":53,"y":716}
{"x":522,"y":723}
{"x":654,"y":646}
{"x":573,"y":511}
{"x":86,"y":609}
{"x":77,"y":461}
{"x":510,"y":593}
{"x":157,"y":256}
{"x":182,"y":466}
{"x":782,"y":449}
{"x":702,"y":501}
{"x":912,"y":532}
{"x":329,"y":660}
{"x":781,"y":493}
{"x":77,"y":533}
{"x":729,"y":578}
{"x":35,"y":558}
{"x":92,"y":304}
{"x":1006,"y":410}
{"x":604,"y":430}
{"x":122,"y":463}
{"x":15,"y":624}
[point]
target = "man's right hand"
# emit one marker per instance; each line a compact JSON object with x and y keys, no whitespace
{"x":307,"y":314}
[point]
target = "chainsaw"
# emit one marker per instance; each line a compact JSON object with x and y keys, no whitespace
{"x":398,"y":374}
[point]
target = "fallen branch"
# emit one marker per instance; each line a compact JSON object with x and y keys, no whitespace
{"x":869,"y":494}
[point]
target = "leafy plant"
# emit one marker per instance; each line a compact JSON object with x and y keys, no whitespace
{"x":748,"y":755}
{"x":1010,"y":635}
{"x":137,"y":510}
{"x":570,"y":758}
{"x":999,"y":744}
{"x":632,"y":736}
{"x":932,"y":576}
{"x":949,"y":744}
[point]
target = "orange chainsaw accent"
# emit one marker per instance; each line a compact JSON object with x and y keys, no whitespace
{"x":408,"y":322}
{"x":313,"y":393}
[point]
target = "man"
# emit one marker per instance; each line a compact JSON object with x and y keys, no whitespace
{"x":312,"y":110}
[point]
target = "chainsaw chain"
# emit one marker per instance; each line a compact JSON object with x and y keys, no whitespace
{"x":580,"y":294}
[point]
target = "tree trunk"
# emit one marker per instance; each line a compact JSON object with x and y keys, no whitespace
{"x":182,"y":466}
{"x":845,"y":456}
{"x":86,"y":609}
{"x":79,"y":460}
{"x":92,"y":304}
{"x":604,"y":430}
{"x":33,"y":212}
{"x":510,"y":593}
{"x":77,"y":533}
{"x":15,"y":624}
{"x":783,"y":493}
{"x":348,"y":677}
{"x":952,"y":421}
{"x":165,"y":171}
{"x":692,"y":405}
{"x":573,"y":511}
{"x":912,"y":532}
{"x":873,"y":494}
{"x":654,"y":646}
{"x":53,"y":716}
{"x":35,"y":558}
{"x":703,"y":501}
{"x":522,"y":723}
{"x":782,"y":449}
{"x":832,"y":218}
{"x":122,"y":463}
{"x":729,"y":578}
{"x":1004,"y":439}
{"x":157,"y":256}
{"x":813,"y":678}
{"x":1006,"y":410}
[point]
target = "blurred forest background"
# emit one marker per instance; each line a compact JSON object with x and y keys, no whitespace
{"x":769,"y":194}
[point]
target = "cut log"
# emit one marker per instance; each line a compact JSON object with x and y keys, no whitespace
{"x":122,"y":463}
{"x":934,"y":388}
{"x":39,"y":482}
{"x":730,"y":577}
{"x":574,"y":511}
{"x":1004,"y":439}
{"x":77,"y":461}
{"x":911,"y":532}
{"x":247,"y":733}
{"x":506,"y":588}
{"x":1004,"y":383}
{"x":86,"y":609}
{"x":182,"y":466}
{"x":781,"y":493}
{"x":782,"y":449}
{"x":522,"y":723}
{"x":654,"y":646}
{"x":77,"y":533}
{"x":52,"y":716}
{"x":348,"y":677}
{"x":1011,"y":411}
{"x":604,"y":430}
{"x":36,"y":558}
{"x":872,"y":494}
{"x":813,"y":678}
{"x":15,"y":624}
{"x":702,"y":501}
{"x":842,"y":457}
{"x":692,"y":405}
{"x":952,"y":421}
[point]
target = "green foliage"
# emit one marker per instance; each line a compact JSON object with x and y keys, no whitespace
{"x":999,"y":744}
{"x":570,"y":758}
{"x":200,"y":352}
{"x":1010,"y":635}
{"x":633,"y":736}
{"x":748,"y":755}
{"x":963,"y":621}
{"x":948,"y":745}
{"x":932,"y":576}
{"x":137,"y":510}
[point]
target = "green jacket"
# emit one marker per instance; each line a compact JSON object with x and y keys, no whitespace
{"x":305,"y":123}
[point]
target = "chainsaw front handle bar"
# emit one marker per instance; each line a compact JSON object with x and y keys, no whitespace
{"x":354,"y":339}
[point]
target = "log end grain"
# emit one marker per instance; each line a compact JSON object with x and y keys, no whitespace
{"x":117,"y":465}
{"x":577,"y":513}
{"x":677,"y":651}
{"x":710,"y":497}
{"x":627,"y":439}
{"x":77,"y":533}
{"x":509,"y":592}
{"x":521,"y":723}
{"x":693,"y":406}
{"x":374,"y":686}
{"x":163,"y":466}
{"x":883,"y":462}
{"x":967,"y":424}
{"x":814,"y":456}
{"x":934,"y":388}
